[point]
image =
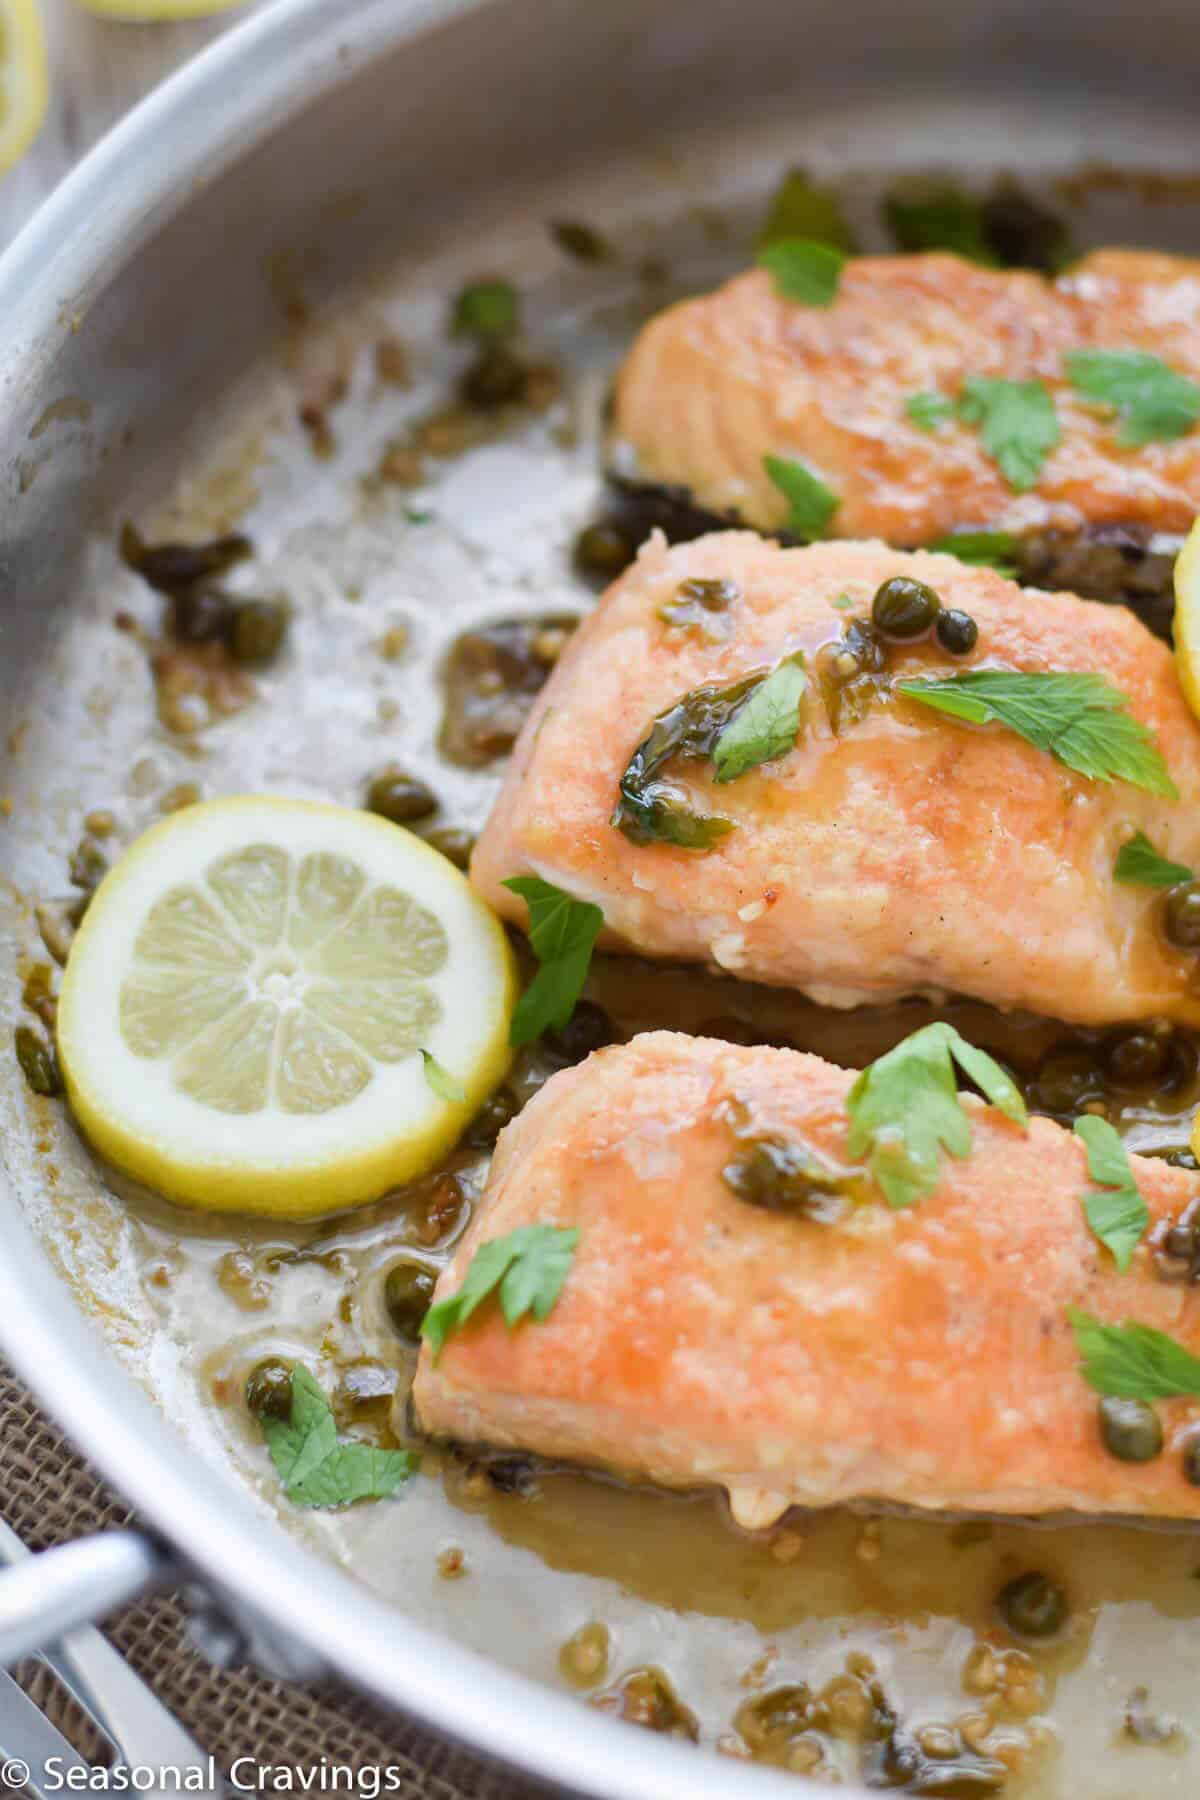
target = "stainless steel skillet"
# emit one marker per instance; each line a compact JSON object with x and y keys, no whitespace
{"x":142,"y":296}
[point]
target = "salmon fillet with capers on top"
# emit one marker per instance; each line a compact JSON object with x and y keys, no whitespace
{"x":879,"y":848}
{"x":744,"y":1309}
{"x":1098,"y":474}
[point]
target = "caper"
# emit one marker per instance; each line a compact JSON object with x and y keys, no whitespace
{"x":956,"y":631}
{"x":1183,"y":915}
{"x":198,"y":615}
{"x":1191,"y":1461}
{"x":1033,"y":1606}
{"x":1067,"y":1080}
{"x":1136,"y":1058}
{"x":400,"y":797}
{"x":904,"y":608}
{"x":407,"y":1293}
{"x":589,"y":1028}
{"x":88,"y":865}
{"x":269,"y":1389}
{"x":604,"y":549}
{"x":256,"y":630}
{"x":1130,"y":1430}
{"x":39,"y":1065}
{"x":580,"y":240}
{"x":492,"y":1117}
{"x":777,"y":1716}
{"x":170,"y":567}
{"x":452,"y":842}
{"x":496,"y":378}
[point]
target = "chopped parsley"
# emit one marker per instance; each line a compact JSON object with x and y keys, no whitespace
{"x":1017,"y":423}
{"x":1150,"y":398}
{"x":563,"y":934}
{"x":1139,"y":863}
{"x":981,"y":549}
{"x":529,"y":1267}
{"x":486,"y":310}
{"x":1078,"y":717}
{"x":1132,"y":1361}
{"x":929,"y":409}
{"x":905,"y":1109}
{"x":813,"y":504}
{"x":1115,"y":1210}
{"x":804,"y":269}
{"x":440,"y":1079}
{"x":800,"y":209}
{"x":765,"y":724}
{"x":317,"y":1467}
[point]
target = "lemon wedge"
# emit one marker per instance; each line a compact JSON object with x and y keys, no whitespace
{"x":1187,"y":618}
{"x":149,"y":10}
{"x":257,"y":996}
{"x":22,"y":78}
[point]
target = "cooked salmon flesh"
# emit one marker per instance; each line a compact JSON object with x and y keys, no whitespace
{"x":924,"y":1357}
{"x":889,"y":849}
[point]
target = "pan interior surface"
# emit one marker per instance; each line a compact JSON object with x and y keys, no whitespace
{"x":390,"y":523}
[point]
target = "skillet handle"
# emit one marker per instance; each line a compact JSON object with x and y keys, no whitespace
{"x":48,"y":1595}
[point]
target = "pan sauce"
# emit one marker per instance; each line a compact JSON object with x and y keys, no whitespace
{"x":381,"y":578}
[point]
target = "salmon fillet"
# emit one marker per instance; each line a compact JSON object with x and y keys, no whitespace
{"x":912,"y":853}
{"x":923,"y":1357}
{"x":715,"y":382}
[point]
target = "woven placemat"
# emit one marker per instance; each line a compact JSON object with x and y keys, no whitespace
{"x":49,"y":1496}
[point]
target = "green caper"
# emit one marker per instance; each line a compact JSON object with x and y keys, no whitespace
{"x":198,"y":615}
{"x":1183,"y":915}
{"x":904,"y":608}
{"x":269,"y":1389}
{"x":956,"y":631}
{"x":589,"y":1028}
{"x":1134,"y":1059}
{"x":1191,"y":1461}
{"x":400,"y":797}
{"x":1130,"y":1430}
{"x":1067,"y":1081}
{"x":496,"y":378}
{"x":407,"y":1293}
{"x":452,"y":842}
{"x":579,"y":240}
{"x":773,"y":1719}
{"x":256,"y":629}
{"x":492,"y":1117}
{"x":604,"y":549}
{"x":1032,"y":1606}
{"x":780,"y":1176}
{"x":39,"y":1065}
{"x":88,"y":865}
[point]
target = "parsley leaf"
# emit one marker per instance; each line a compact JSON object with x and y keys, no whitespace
{"x":318,"y":1469}
{"x":1117,"y":1214}
{"x":486,"y":310}
{"x":563,"y":933}
{"x":1077,"y":717}
{"x":812,"y":503}
{"x":799,"y":209}
{"x":529,"y":1267}
{"x":980,"y":549}
{"x":905,"y":1109}
{"x":1017,"y":424}
{"x":766,"y":723}
{"x":935,"y":215}
{"x":928,"y":409}
{"x":1138,"y":862}
{"x":1152,"y":399}
{"x":1131,"y":1361}
{"x":804,"y":269}
{"x":440,"y":1079}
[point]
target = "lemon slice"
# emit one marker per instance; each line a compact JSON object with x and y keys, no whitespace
{"x":246,"y":1004}
{"x":157,"y":9}
{"x":22,"y":78}
{"x":1187,"y":618}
